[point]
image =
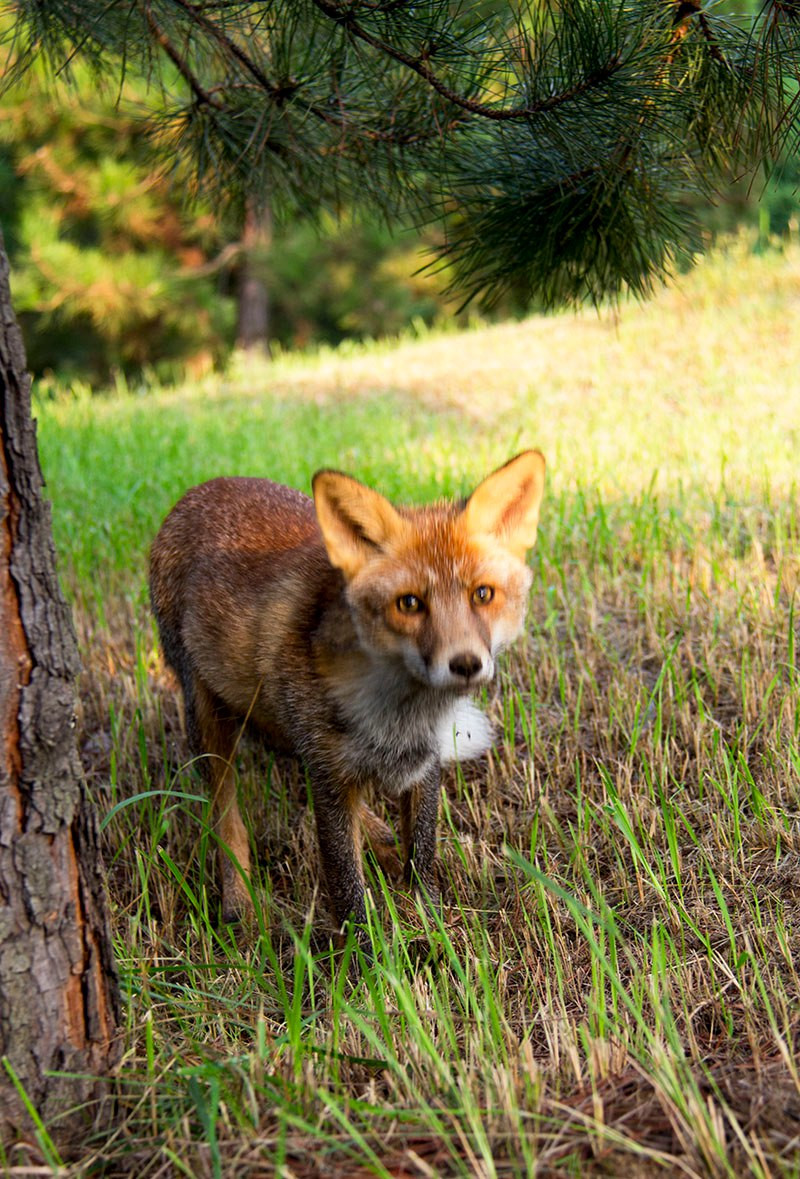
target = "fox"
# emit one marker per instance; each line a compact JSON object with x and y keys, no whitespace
{"x":350,"y":633}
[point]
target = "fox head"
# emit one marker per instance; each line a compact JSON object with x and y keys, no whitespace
{"x":441,"y":588}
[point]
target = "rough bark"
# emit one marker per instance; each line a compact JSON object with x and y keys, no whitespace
{"x":58,"y":994}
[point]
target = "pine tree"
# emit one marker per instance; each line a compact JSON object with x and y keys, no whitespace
{"x":59,"y":1004}
{"x":554,"y":137}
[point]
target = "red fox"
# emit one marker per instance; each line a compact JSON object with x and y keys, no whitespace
{"x":348,"y":632}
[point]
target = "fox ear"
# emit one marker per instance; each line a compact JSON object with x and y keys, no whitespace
{"x":506,"y":505}
{"x":355,"y":521}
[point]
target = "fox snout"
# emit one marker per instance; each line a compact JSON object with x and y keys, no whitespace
{"x":466,"y":665}
{"x":462,"y":668}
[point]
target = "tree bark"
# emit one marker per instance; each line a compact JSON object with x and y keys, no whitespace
{"x":58,"y":992}
{"x":252,"y":296}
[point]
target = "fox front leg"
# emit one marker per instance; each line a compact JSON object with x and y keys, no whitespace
{"x":419,"y":813}
{"x":337,"y":814}
{"x":212,"y":736}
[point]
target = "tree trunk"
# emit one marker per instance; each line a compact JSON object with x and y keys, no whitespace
{"x":58,"y":992}
{"x":252,"y":297}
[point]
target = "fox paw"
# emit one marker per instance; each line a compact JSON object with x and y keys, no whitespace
{"x":237,"y":903}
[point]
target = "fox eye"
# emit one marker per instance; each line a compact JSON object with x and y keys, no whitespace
{"x":410,"y":604}
{"x":483,"y":595}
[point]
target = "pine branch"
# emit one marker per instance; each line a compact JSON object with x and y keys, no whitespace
{"x":556,"y":138}
{"x":284,"y":92}
{"x":420,"y":66}
{"x":196,"y":16}
{"x":160,"y":37}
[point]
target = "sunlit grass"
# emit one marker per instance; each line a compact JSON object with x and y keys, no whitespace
{"x":614,"y":987}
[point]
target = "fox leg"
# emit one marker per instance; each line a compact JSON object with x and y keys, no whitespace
{"x":212,"y":732}
{"x":338,"y":814}
{"x":381,"y":842}
{"x":419,"y":812}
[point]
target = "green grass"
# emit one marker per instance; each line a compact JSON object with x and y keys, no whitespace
{"x":616,"y":988}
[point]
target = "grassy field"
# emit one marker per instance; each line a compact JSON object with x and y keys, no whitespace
{"x":616,"y":989}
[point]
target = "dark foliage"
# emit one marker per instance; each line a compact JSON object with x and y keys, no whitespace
{"x":558,"y":140}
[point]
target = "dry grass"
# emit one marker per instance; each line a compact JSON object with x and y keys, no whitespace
{"x":616,"y":987}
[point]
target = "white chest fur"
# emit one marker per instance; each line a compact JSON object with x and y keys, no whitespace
{"x":403,"y":728}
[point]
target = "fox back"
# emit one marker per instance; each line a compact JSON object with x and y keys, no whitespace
{"x":350,"y":633}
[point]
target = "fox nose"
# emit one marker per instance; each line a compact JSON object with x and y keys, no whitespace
{"x":467,"y":664}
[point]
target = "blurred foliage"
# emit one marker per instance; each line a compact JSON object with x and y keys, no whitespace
{"x":345,"y":279}
{"x":107,"y":270}
{"x":112,"y":270}
{"x":770,"y":205}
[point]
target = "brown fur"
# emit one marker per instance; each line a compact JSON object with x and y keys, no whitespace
{"x":346,"y":635}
